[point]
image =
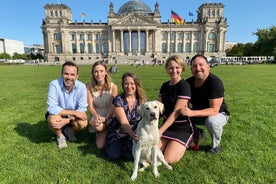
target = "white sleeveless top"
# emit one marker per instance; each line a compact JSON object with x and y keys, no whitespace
{"x":101,"y":102}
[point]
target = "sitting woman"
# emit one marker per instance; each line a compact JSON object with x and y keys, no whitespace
{"x":100,"y":93}
{"x":176,"y":130}
{"x":121,"y":130}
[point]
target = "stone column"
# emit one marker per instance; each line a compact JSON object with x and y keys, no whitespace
{"x":122,"y":41}
{"x":129,"y":41}
{"x":192,"y":42}
{"x":113,"y":40}
{"x":147,"y":38}
{"x":139,"y":50}
{"x":168,"y":42}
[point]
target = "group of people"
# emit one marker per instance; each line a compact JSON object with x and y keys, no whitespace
{"x":114,"y":117}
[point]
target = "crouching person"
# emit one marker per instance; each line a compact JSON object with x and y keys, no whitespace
{"x":66,"y":105}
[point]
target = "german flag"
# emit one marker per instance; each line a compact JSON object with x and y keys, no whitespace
{"x":176,"y":18}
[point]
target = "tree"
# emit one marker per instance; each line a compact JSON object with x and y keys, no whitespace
{"x":19,"y":56}
{"x":5,"y":56}
{"x":266,"y":43}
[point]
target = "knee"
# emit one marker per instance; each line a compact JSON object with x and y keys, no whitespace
{"x":80,"y":124}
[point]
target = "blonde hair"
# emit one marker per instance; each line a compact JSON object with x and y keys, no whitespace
{"x":178,"y":59}
{"x":107,"y":80}
{"x":140,"y":95}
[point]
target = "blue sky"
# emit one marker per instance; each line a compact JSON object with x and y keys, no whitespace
{"x":21,"y":19}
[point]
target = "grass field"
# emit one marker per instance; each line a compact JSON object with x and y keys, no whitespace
{"x":28,"y":152}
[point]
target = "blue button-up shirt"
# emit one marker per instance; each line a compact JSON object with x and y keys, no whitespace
{"x":58,"y":97}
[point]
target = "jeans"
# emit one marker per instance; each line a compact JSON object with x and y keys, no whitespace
{"x":214,"y":125}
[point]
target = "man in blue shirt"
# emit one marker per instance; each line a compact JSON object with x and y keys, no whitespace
{"x":66,"y":105}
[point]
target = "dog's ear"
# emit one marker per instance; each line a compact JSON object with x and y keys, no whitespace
{"x":161,"y":106}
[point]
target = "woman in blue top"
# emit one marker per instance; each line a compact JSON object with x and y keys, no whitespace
{"x":177,"y":130}
{"x":121,"y":130}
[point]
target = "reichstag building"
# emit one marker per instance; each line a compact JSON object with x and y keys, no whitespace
{"x":134,"y":32}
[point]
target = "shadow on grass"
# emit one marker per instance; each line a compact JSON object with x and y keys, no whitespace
{"x":35,"y":132}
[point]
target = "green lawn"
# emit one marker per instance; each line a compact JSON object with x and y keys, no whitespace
{"x":28,"y":152}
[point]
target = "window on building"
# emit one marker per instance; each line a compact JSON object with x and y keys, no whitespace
{"x":82,"y":48}
{"x":196,"y":36}
{"x":212,"y":36}
{"x":105,"y":49}
{"x":98,"y":50}
{"x":51,"y":13}
{"x":73,"y":37}
{"x":89,"y":48}
{"x":58,"y":49}
{"x":143,"y":42}
{"x":180,"y":36}
{"x":164,"y":36}
{"x":57,"y":36}
{"x":172,"y":48}
{"x":74,"y":48}
{"x":164,"y":48}
{"x":187,"y":47}
{"x":89,"y":36}
{"x":172,"y":36}
{"x":179,"y":48}
{"x":134,"y":42}
{"x":126,"y":42}
{"x":195,"y":47}
{"x":81,"y":37}
{"x":97,"y":37}
{"x":211,"y":47}
{"x":188,"y":36}
{"x":60,"y":13}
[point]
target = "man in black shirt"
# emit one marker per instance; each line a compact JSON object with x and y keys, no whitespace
{"x":207,"y":100}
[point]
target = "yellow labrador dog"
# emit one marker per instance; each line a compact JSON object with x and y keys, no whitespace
{"x":146,"y":150}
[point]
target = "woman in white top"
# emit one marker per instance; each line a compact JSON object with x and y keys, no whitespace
{"x":100,"y":93}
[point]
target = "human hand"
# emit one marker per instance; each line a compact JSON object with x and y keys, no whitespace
{"x":160,"y":133}
{"x":135,"y":137}
{"x":185,"y":111}
{"x":80,"y":115}
{"x":60,"y":122}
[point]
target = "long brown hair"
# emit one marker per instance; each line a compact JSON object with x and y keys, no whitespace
{"x":107,"y":80}
{"x":140,"y":94}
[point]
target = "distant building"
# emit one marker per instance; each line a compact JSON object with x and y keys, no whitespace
{"x":134,"y":33}
{"x":34,"y":49}
{"x":11,"y":46}
{"x":229,"y":45}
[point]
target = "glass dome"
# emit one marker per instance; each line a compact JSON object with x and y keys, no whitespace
{"x":134,"y":6}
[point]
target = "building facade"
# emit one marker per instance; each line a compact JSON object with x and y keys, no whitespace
{"x":135,"y":32}
{"x":11,"y":46}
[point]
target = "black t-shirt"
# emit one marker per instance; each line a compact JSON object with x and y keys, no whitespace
{"x":170,"y":93}
{"x":212,"y":88}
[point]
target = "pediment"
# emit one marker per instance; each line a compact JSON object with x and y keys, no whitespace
{"x":133,"y":19}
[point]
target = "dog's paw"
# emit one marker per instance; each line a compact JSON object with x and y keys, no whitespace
{"x":169,"y":167}
{"x":141,"y":169}
{"x":133,"y":177}
{"x":156,"y":174}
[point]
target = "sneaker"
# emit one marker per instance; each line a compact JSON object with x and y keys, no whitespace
{"x":61,"y":142}
{"x":215,"y":150}
{"x":69,"y":135}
